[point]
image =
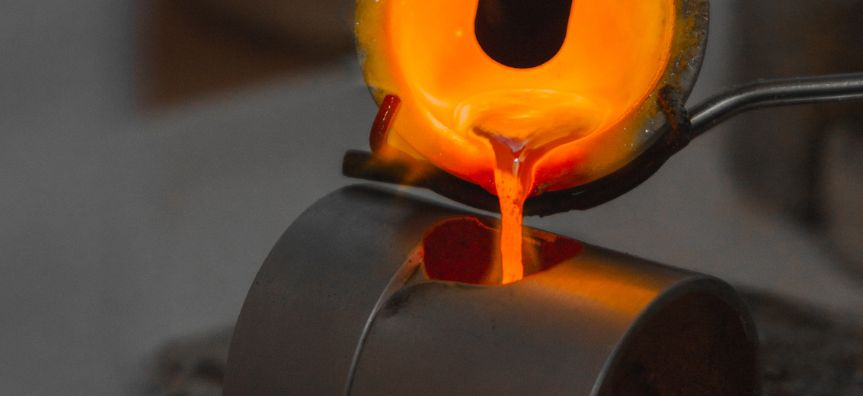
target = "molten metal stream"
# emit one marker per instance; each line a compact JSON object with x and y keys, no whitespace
{"x":522,"y":127}
{"x":512,"y":186}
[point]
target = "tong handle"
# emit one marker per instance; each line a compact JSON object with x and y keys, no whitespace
{"x":775,"y":93}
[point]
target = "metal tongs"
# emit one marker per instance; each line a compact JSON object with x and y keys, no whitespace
{"x":683,"y":126}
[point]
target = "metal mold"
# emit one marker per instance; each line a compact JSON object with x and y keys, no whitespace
{"x":339,"y":308}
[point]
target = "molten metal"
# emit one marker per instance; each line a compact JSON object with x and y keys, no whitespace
{"x":450,"y":93}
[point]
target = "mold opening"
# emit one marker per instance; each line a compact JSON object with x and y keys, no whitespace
{"x":695,"y":345}
{"x":465,"y":250}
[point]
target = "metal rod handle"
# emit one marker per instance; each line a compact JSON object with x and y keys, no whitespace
{"x":774,"y":93}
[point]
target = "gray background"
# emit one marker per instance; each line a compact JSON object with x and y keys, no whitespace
{"x":123,"y":229}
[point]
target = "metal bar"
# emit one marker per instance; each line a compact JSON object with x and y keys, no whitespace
{"x":774,"y":93}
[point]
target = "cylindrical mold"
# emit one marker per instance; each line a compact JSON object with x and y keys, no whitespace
{"x":342,"y":306}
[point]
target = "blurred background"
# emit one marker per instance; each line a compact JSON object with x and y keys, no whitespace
{"x":151,"y":153}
